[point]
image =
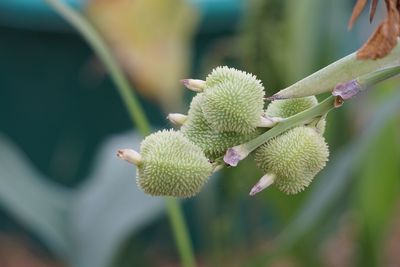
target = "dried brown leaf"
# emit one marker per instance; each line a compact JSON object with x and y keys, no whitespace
{"x":372,"y":10}
{"x":379,"y":45}
{"x":384,"y":38}
{"x":358,"y":8}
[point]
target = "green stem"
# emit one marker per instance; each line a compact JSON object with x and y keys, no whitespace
{"x":343,"y":70}
{"x":291,"y":122}
{"x":351,"y":88}
{"x":180,"y":232}
{"x":378,"y":76}
{"x":237,"y":153}
{"x":90,"y":34}
{"x":138,"y":117}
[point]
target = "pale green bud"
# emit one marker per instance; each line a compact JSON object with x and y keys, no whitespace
{"x":194,"y":84}
{"x":177,"y":118}
{"x":234,"y":100}
{"x":292,"y":159}
{"x":213,"y":143}
{"x":171,"y":165}
{"x":268,"y":121}
{"x":263,"y":183}
{"x":130,"y":156}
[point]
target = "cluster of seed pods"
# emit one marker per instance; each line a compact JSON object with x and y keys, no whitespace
{"x":228,"y":110}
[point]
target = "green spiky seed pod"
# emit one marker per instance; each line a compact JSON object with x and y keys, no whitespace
{"x":234,"y":101}
{"x":289,"y":107}
{"x":224,"y":73}
{"x":293,"y":158}
{"x":171,"y":165}
{"x":213,"y":143}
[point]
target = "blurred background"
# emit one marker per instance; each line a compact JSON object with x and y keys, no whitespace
{"x":66,"y":200}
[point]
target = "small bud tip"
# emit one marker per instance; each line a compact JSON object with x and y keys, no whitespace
{"x":130,"y":156}
{"x":185,"y":82}
{"x":268,"y":121}
{"x":194,"y":84}
{"x":177,"y":118}
{"x":263,"y":183}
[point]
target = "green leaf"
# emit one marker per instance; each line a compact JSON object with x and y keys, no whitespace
{"x":109,"y":207}
{"x":378,"y":189}
{"x":87,"y":226}
{"x":33,"y":200}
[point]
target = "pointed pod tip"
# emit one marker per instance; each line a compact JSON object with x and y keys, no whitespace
{"x":263,"y":183}
{"x":185,"y":82}
{"x":130,"y":155}
{"x":194,"y":84}
{"x":177,"y":118}
{"x":255,"y":190}
{"x":268,"y":121}
{"x":120,"y":153}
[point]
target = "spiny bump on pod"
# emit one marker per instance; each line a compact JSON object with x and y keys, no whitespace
{"x":234,"y":100}
{"x":169,"y":165}
{"x":291,"y":160}
{"x":288,"y":107}
{"x":213,"y":143}
{"x":225,"y":73}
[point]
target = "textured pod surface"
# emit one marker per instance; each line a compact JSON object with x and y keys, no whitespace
{"x":289,"y":107}
{"x":172,"y":165}
{"x":224,"y":73}
{"x":294,"y":157}
{"x":213,"y":143}
{"x":234,"y":105}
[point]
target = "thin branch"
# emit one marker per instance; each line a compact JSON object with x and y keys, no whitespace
{"x":237,"y":153}
{"x":90,"y":34}
{"x":175,"y":214}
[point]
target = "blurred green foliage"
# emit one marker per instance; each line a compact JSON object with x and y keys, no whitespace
{"x":84,"y":226}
